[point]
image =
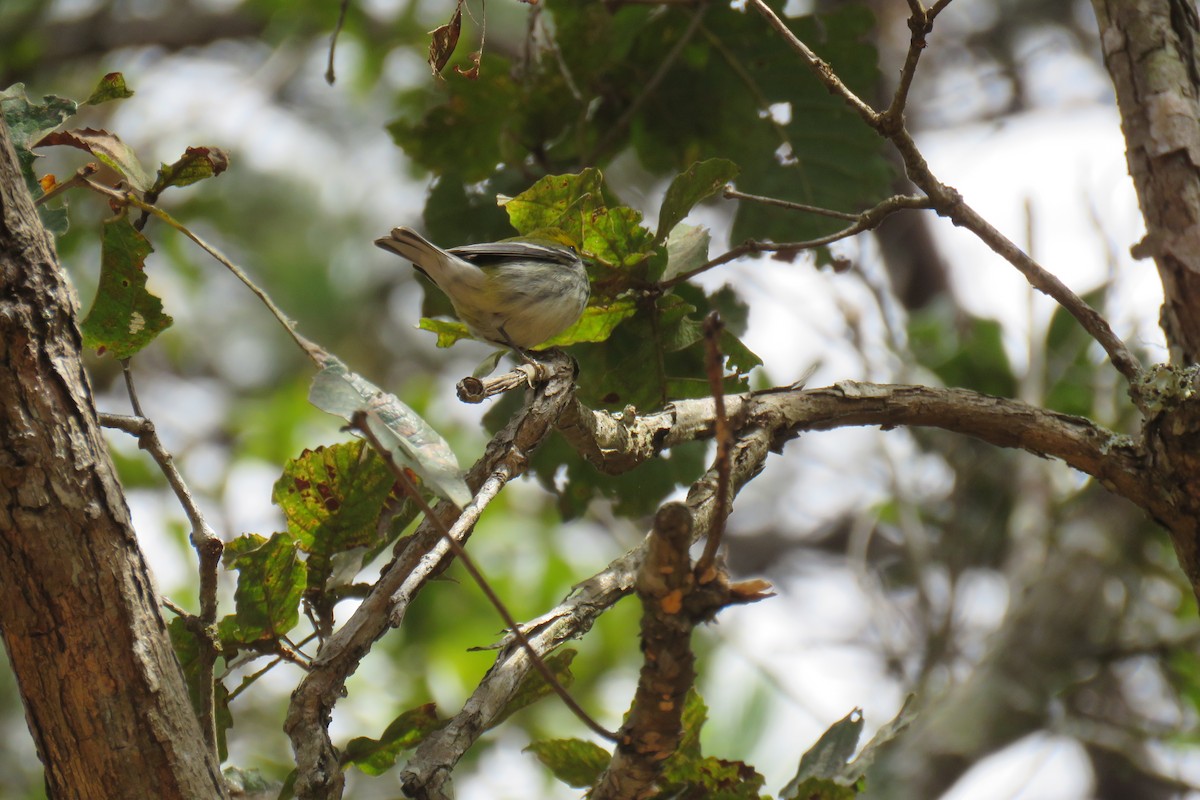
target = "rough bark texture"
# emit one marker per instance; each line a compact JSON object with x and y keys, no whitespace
{"x":104,"y":695}
{"x":1150,"y":51}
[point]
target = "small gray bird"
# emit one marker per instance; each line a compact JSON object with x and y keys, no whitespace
{"x":515,"y":293}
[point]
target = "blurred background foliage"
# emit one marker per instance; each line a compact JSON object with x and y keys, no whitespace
{"x":1033,"y":613}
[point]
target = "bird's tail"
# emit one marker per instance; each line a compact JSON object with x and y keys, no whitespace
{"x":408,"y":244}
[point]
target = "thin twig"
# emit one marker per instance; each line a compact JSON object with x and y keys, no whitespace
{"x":476,"y":390}
{"x":733,"y":194}
{"x":130,"y":389}
{"x":78,"y":179}
{"x":330,"y":77}
{"x":714,"y":365}
{"x":920,"y":24}
{"x":944,"y":199}
{"x":131,"y":199}
{"x":208,"y":547}
{"x":867,"y":220}
{"x":1046,"y":282}
{"x":359,"y":423}
{"x":820,"y":68}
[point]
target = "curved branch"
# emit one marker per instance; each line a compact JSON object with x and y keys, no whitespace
{"x":614,"y":445}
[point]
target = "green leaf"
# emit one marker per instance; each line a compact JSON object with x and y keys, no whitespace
{"x":465,"y":133}
{"x":448,"y":331}
{"x":331,"y":498}
{"x":821,"y":789}
{"x":575,"y":762}
{"x":656,"y":355}
{"x":826,"y":771}
{"x":187,"y":650}
{"x":596,"y":324}
{"x":699,"y":182}
{"x":687,"y":249}
{"x":617,"y":238}
{"x":377,"y":756}
{"x":717,"y":779}
{"x":271,"y":581}
{"x":107,"y":148}
{"x":695,"y":714}
{"x":829,"y":757}
{"x":124,"y":317}
{"x":689,"y":773}
{"x":576,"y":206}
{"x":565,"y":202}
{"x":886,"y":733}
{"x":410,"y":440}
{"x":196,"y":164}
{"x":790,"y":137}
{"x":111,"y":87}
{"x":28,"y":122}
{"x":963,"y":353}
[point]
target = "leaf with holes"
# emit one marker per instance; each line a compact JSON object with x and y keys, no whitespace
{"x":124,"y":317}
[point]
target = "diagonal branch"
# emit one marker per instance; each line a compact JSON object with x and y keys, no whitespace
{"x":425,"y":554}
{"x":861,"y":222}
{"x":944,"y":199}
{"x":427,"y":773}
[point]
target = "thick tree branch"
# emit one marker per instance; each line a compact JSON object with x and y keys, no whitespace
{"x":675,"y":598}
{"x":654,"y":725}
{"x":1151,"y":51}
{"x":103,"y":692}
{"x":616,"y":444}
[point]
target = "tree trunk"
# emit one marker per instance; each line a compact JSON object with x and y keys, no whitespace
{"x":104,"y":695}
{"x":1150,"y":50}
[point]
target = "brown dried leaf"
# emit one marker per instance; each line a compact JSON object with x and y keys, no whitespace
{"x":443,"y":41}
